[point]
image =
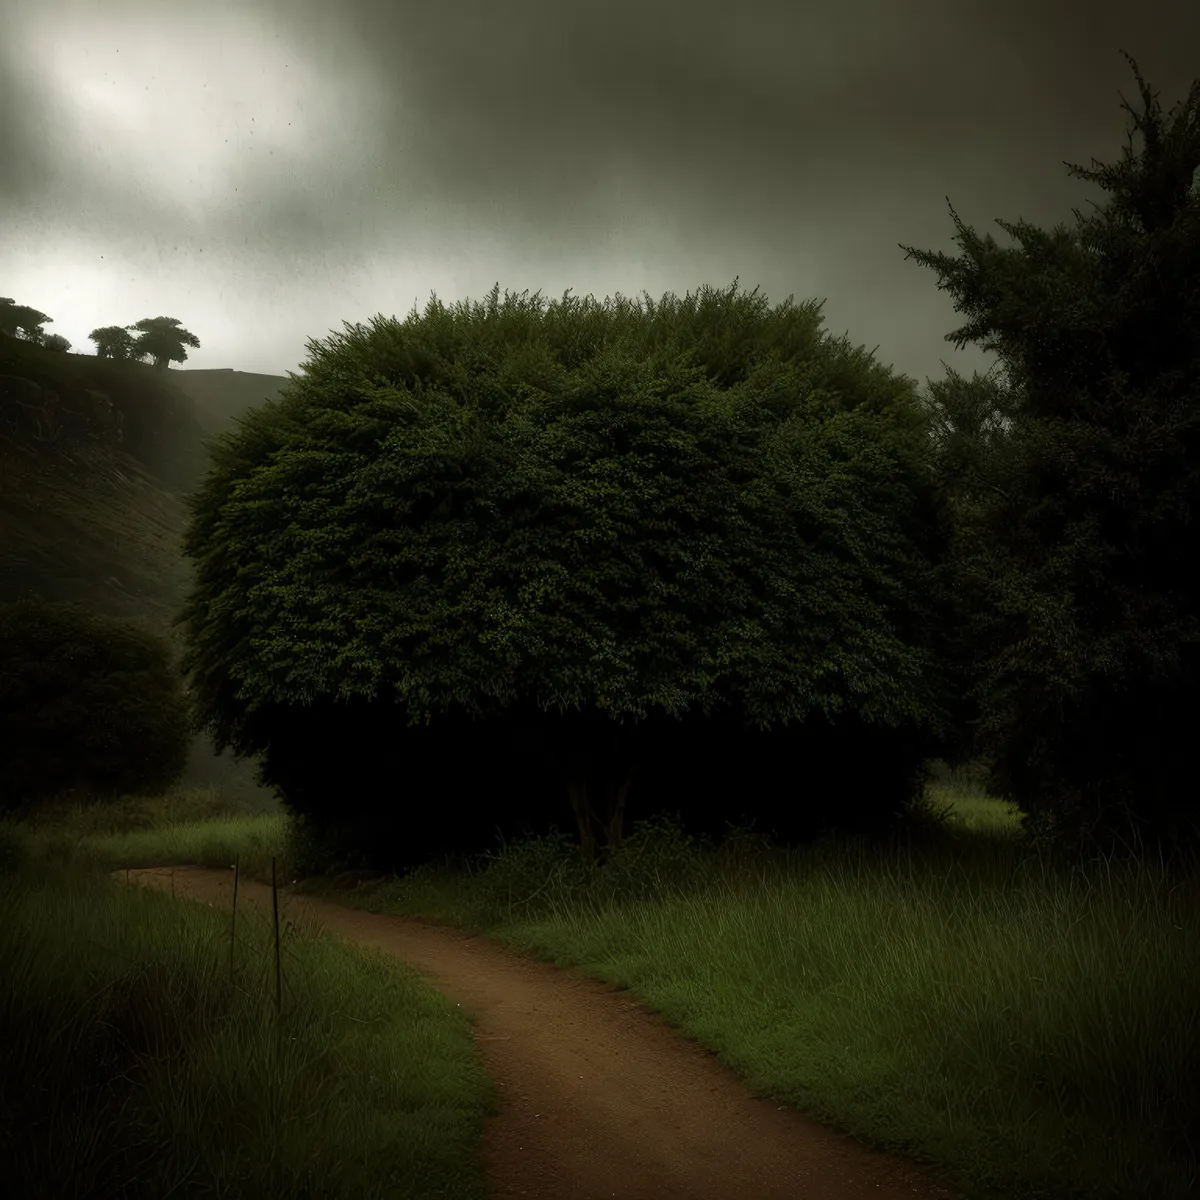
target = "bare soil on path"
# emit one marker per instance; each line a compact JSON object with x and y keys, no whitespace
{"x":599,"y":1096}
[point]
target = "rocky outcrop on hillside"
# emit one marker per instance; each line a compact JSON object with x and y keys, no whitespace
{"x":30,"y":413}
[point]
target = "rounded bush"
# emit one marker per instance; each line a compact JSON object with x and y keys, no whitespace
{"x":486,"y":567}
{"x":88,"y":704}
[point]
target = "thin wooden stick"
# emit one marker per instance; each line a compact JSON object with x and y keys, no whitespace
{"x":233,"y":920}
{"x":275,"y":904}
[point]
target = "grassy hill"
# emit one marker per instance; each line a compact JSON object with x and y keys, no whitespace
{"x":95,"y":459}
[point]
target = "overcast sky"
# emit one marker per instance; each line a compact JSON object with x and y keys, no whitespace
{"x":266,"y":170}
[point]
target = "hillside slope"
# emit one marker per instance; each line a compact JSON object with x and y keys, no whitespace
{"x":222,"y":395}
{"x":95,"y":459}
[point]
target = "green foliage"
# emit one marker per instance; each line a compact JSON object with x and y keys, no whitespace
{"x":381,"y":533}
{"x":1085,"y":623}
{"x":115,"y":341}
{"x":697,"y":507}
{"x":20,"y":319}
{"x":163,"y":340}
{"x":981,"y":439}
{"x":322,"y":848}
{"x":86,"y":702}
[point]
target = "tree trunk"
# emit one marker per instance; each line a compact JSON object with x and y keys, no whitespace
{"x":578,"y":790}
{"x":600,"y":813}
{"x":596,"y":761}
{"x":616,"y":819}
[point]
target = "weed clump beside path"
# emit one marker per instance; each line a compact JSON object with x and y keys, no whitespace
{"x":1024,"y":1023}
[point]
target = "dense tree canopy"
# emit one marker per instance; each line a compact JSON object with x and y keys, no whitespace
{"x":19,"y":319}
{"x":162,"y":339}
{"x":1086,"y":616}
{"x":695,"y":508}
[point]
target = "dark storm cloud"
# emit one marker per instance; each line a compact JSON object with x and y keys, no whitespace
{"x":793,"y":145}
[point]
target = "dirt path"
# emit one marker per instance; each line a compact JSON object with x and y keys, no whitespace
{"x":600,"y":1097}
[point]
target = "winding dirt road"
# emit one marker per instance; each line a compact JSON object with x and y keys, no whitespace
{"x":600,"y":1097}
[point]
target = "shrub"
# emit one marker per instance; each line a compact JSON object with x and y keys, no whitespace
{"x":88,"y":704}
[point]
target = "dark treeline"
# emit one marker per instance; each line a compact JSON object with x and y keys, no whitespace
{"x":159,"y":339}
{"x":501,"y":565}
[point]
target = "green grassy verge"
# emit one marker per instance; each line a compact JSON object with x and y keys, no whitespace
{"x":1028,"y":1026}
{"x":141,"y":1061}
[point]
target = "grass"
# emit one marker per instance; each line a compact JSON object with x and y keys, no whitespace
{"x":138,"y":1064}
{"x":1026,"y":1025}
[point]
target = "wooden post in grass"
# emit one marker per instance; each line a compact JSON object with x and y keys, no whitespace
{"x":275,"y":905}
{"x":233,"y":920}
{"x":172,"y":883}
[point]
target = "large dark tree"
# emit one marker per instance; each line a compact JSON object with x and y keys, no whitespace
{"x":978,"y":441}
{"x":115,"y":341}
{"x":162,"y":339}
{"x":20,"y":318}
{"x":494,"y":548}
{"x":1080,"y":537}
